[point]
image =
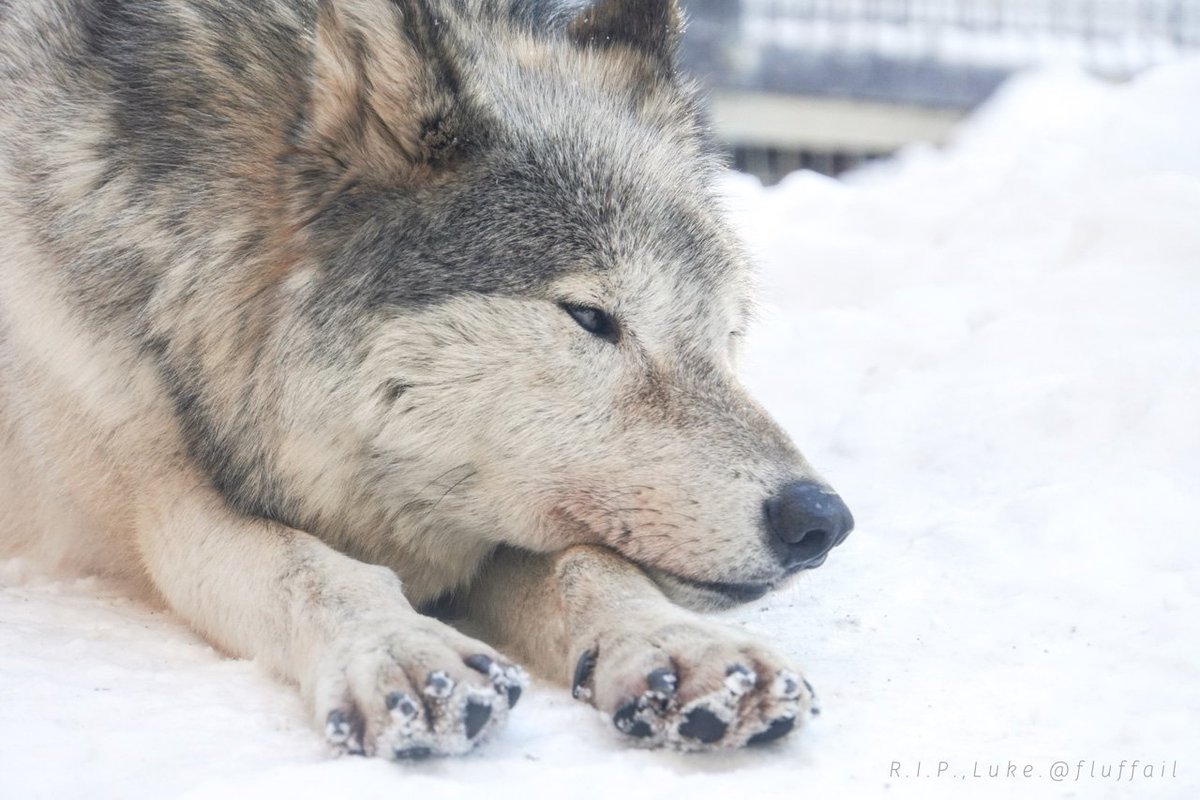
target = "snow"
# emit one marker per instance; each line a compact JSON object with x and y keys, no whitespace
{"x":993,"y":352}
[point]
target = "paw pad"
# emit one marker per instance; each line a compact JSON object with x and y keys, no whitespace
{"x":691,"y":689}
{"x":776,"y":730}
{"x":703,"y":725}
{"x":475,"y":717}
{"x":629,"y":720}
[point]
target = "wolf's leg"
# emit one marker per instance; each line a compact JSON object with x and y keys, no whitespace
{"x":380,"y":678}
{"x":665,"y":675}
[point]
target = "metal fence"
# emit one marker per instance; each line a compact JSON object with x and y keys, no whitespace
{"x":947,"y":55}
{"x":1116,"y":38}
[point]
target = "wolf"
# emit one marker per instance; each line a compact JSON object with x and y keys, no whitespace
{"x":393,"y":344}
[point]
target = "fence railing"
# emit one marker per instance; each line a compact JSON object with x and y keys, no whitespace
{"x":926,"y":60}
{"x":1115,"y":38}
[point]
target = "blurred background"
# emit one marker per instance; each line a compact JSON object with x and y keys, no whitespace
{"x":828,"y":84}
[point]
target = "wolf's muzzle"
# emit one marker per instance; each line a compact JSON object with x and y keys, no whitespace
{"x":806,"y":520}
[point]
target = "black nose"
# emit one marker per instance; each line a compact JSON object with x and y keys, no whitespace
{"x":807,"y":520}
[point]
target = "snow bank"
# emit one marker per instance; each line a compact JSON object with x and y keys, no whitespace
{"x":993,"y":352}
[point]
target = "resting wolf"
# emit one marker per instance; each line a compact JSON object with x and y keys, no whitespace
{"x":332,"y":324}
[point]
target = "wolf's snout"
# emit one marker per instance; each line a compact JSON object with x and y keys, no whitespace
{"x":807,"y":520}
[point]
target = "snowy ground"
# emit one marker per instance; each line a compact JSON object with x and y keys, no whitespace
{"x":994,"y":353}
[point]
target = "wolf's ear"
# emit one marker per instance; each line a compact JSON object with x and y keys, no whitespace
{"x":382,"y":93}
{"x":650,"y":27}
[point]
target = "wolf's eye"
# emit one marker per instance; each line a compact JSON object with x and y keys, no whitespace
{"x":593,"y":320}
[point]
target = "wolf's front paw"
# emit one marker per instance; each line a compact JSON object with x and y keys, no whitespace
{"x":692,"y":687}
{"x":412,"y":690}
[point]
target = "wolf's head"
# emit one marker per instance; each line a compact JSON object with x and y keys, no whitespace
{"x":523,"y":258}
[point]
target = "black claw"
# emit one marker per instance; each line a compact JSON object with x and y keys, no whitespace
{"x":583,"y":673}
{"x":514,"y":694}
{"x":342,"y":723}
{"x":627,"y":723}
{"x":439,"y":684}
{"x":412,"y":754}
{"x":703,"y":725}
{"x":776,"y":730}
{"x":663,"y":681}
{"x":337,"y":721}
{"x":743,"y":674}
{"x":479,"y":663}
{"x":345,"y":729}
{"x":811,"y":690}
{"x":477,"y":716}
{"x":401,"y":701}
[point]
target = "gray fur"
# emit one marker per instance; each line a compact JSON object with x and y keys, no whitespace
{"x":306,"y":263}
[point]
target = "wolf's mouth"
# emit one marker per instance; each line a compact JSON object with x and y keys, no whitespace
{"x":723,"y":593}
{"x":813,"y":564}
{"x":737,"y":592}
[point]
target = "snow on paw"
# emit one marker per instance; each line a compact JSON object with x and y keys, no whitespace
{"x":416,"y":692}
{"x":692,"y":687}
